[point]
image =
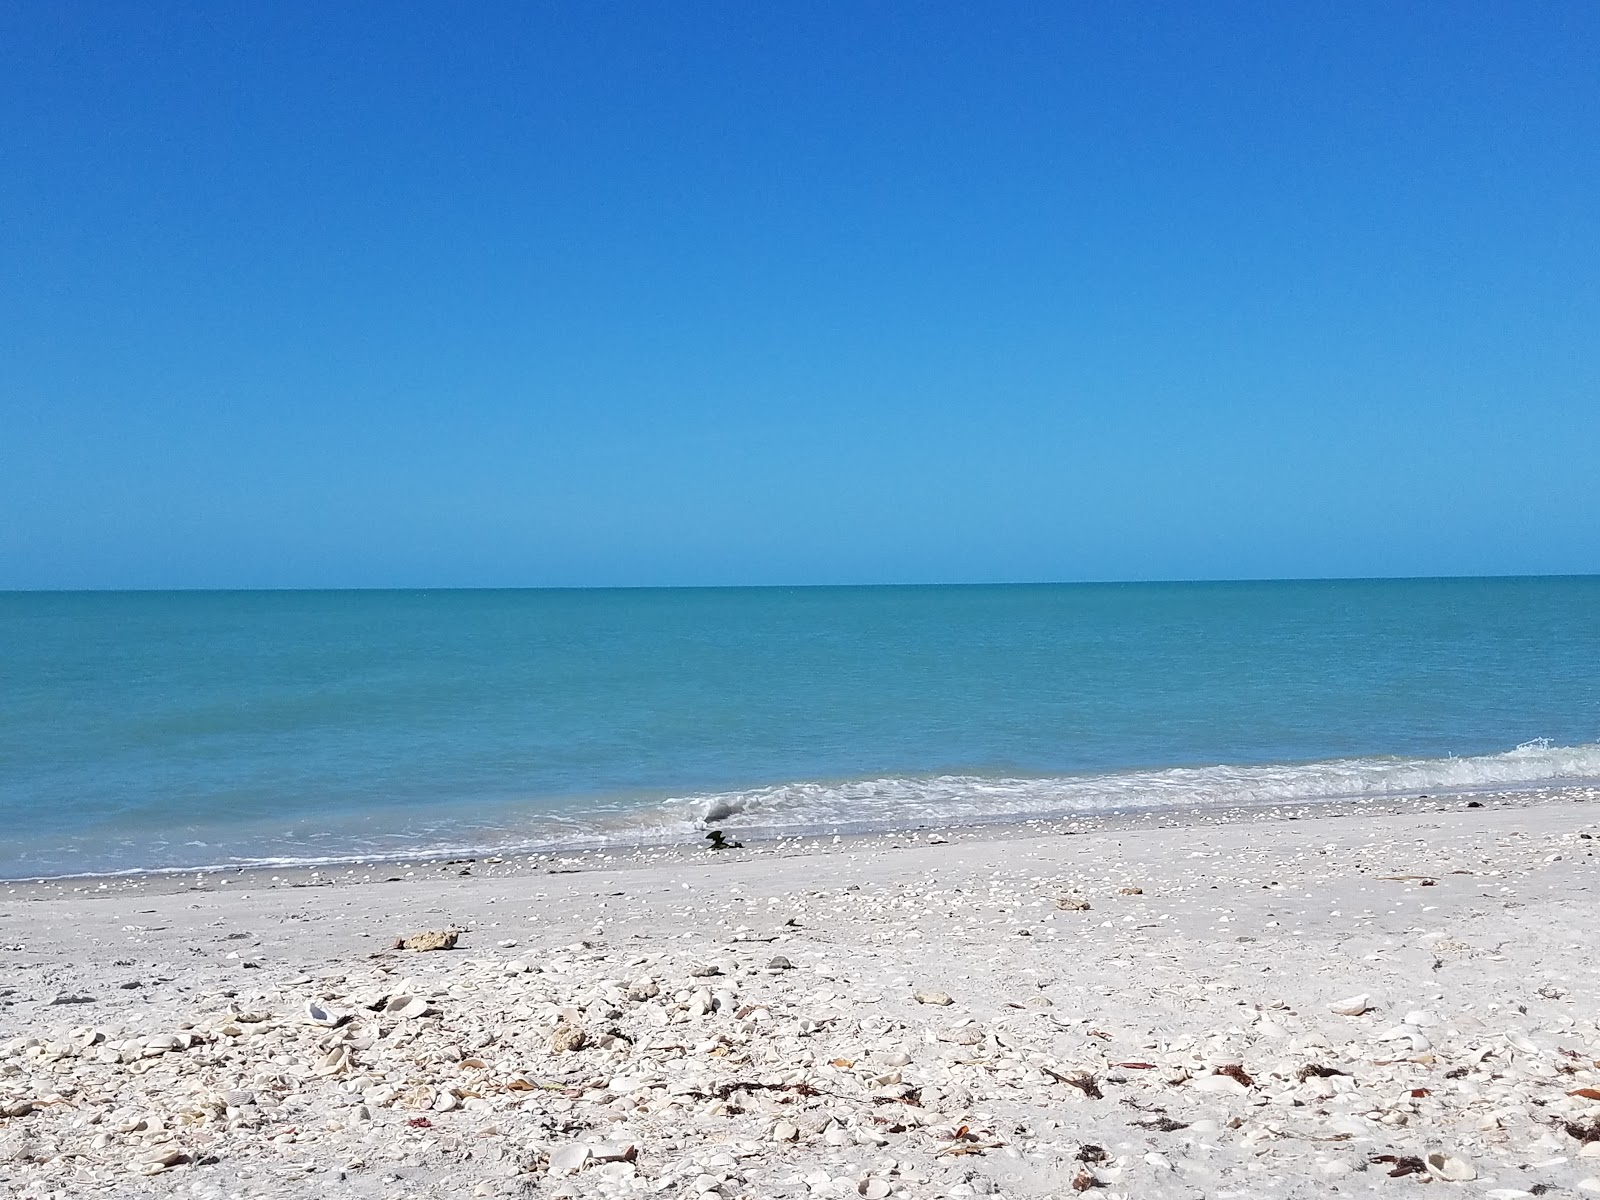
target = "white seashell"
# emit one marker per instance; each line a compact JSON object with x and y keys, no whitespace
{"x":336,"y":1060}
{"x":1352,"y":1006}
{"x":874,"y":1189}
{"x":406,"y":1006}
{"x":318,"y":1013}
{"x":1448,"y":1167}
{"x":1525,"y":1045}
{"x":1421,"y":1018}
{"x":1225,"y":1084}
{"x":567,"y":1160}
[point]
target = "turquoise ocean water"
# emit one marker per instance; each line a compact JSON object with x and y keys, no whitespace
{"x":161,"y":730}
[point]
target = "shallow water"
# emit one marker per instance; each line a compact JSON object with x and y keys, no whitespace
{"x":144,"y":730}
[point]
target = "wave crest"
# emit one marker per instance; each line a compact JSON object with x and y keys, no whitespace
{"x":894,"y":802}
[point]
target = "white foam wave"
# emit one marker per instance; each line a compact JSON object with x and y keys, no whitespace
{"x":957,"y":799}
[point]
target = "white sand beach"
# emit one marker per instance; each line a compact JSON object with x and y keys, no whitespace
{"x":1341,"y":1001}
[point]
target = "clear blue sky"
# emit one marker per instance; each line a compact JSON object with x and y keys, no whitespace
{"x":657,"y":293}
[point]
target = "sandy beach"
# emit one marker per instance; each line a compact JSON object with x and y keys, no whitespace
{"x":1280,"y":1004}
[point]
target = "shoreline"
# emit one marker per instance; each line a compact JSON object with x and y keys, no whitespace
{"x":764,"y":841}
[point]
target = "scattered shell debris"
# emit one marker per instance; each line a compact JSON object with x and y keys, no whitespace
{"x":1277,"y":1010}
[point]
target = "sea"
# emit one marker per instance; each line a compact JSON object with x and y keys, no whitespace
{"x":161,"y":731}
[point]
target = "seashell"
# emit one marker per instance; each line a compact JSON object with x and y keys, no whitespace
{"x":568,"y":1160}
{"x":335,"y":1061}
{"x":406,"y":1006}
{"x":963,"y":1035}
{"x":1525,"y":1045}
{"x":317,"y":1013}
{"x":1352,"y":1006}
{"x":1448,"y":1167}
{"x":871,"y":1188}
{"x":1225,"y":1084}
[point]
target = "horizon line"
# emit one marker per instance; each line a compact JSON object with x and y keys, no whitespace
{"x":711,"y":587}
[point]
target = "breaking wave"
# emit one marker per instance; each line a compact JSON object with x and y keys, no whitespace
{"x":895,"y":803}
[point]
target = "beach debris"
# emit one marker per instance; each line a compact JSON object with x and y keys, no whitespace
{"x":1223,"y":1084}
{"x":1082,"y":1080}
{"x":159,"y":1159}
{"x":1236,"y":1072}
{"x":1130,"y":891}
{"x":1449,"y":1168}
{"x":73,"y":998}
{"x":779,"y":963}
{"x":568,"y":1160}
{"x":317,"y":1013}
{"x":432,"y":939}
{"x":1070,"y":903}
{"x":1587,"y":1134}
{"x":568,"y":1036}
{"x":1352,"y":1006}
{"x":1318,"y":1071}
{"x":967,"y":1140}
{"x":1162,"y":1124}
{"x":405,"y":1007}
{"x":941,"y":999}
{"x":1403,"y":1164}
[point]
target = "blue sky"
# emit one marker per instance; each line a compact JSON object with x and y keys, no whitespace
{"x":540,"y":294}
